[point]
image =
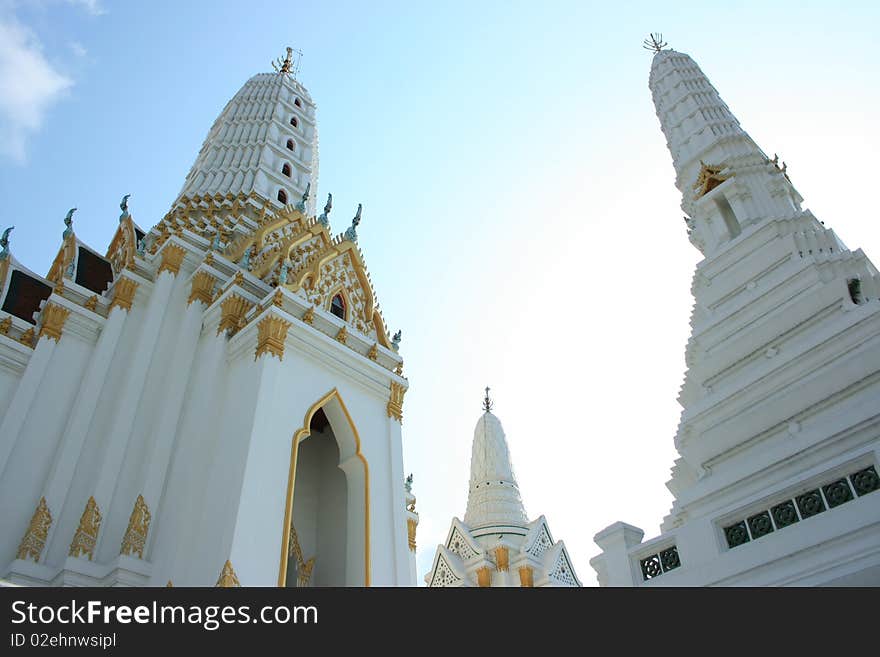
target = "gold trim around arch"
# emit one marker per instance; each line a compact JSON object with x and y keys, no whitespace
{"x":300,"y":435}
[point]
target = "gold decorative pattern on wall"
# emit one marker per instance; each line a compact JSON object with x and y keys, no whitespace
{"x":303,"y":568}
{"x":123,"y":293}
{"x":309,"y":316}
{"x":172,"y":258}
{"x":202,"y":288}
{"x":86,"y":535}
{"x":395,"y":402}
{"x":135,"y":538}
{"x":342,"y":335}
{"x":91,"y":303}
{"x":228,"y":578}
{"x":373,"y":353}
{"x":484,"y":576}
{"x":271,"y":334}
{"x":34,"y":538}
{"x":5,"y":325}
{"x":502,"y":559}
{"x":411,"y":525}
{"x":526,"y":576}
{"x":53,"y":320}
{"x":232,"y":311}
{"x":708,"y":179}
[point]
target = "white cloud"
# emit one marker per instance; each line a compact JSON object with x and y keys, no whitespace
{"x":92,"y":6}
{"x":78,"y":49}
{"x":29,"y":85}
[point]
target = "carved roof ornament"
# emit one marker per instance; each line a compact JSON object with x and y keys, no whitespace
{"x":709,"y":178}
{"x":654,"y":42}
{"x":288,"y":65}
{"x":351,"y":231}
{"x":123,"y":205}
{"x":324,"y":219}
{"x":395,"y":340}
{"x":68,"y":224}
{"x":301,"y":206}
{"x":4,"y":243}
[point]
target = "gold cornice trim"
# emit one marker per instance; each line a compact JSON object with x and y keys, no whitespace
{"x":172,"y":258}
{"x":300,"y":435}
{"x":53,"y":320}
{"x":135,"y":538}
{"x":91,"y":303}
{"x":202,"y":288}
{"x":86,"y":535}
{"x":373,"y":353}
{"x":34,"y":539}
{"x":228,"y":578}
{"x":27,"y":338}
{"x":271,"y":334}
{"x":342,"y":335}
{"x":5,"y":325}
{"x":309,"y":316}
{"x":123,"y":293}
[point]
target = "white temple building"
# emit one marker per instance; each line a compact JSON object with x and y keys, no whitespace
{"x":159,"y":402}
{"x":497,"y":545}
{"x":779,"y":439}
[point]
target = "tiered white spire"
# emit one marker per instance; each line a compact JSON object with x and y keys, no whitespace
{"x":493,"y":496}
{"x":709,"y":149}
{"x":265,"y":141}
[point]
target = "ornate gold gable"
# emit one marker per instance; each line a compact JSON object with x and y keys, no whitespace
{"x":708,"y":179}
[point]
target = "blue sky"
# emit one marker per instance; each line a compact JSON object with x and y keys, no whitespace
{"x":520,"y":221}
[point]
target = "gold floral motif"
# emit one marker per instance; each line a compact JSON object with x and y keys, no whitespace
{"x":373,"y":353}
{"x":484,"y":576}
{"x":202,"y":288}
{"x":399,"y":369}
{"x":59,"y":288}
{"x":169,"y":584}
{"x":526,"y":576}
{"x":309,"y":316}
{"x":395,"y":402}
{"x":172,"y":258}
{"x":86,"y":535}
{"x":232,"y":312}
{"x":54,"y":317}
{"x":342,"y":335}
{"x":35,"y":537}
{"x":502,"y":559}
{"x":209,"y":258}
{"x":123,"y":293}
{"x":135,"y":538}
{"x":5,"y":325}
{"x":303,"y":568}
{"x":278,"y":297}
{"x":91,"y":303}
{"x":411,"y":525}
{"x":228,"y":578}
{"x":271,"y":334}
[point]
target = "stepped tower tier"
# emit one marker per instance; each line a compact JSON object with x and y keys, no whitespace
{"x":213,"y":400}
{"x":265,"y":141}
{"x":780,"y":433}
{"x":497,"y":545}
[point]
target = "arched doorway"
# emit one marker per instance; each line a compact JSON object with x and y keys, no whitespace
{"x":326,"y":522}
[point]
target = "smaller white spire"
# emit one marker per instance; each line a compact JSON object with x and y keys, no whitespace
{"x":493,"y":495}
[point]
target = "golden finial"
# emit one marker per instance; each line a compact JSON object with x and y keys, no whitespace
{"x":655,"y":43}
{"x":287,"y":65}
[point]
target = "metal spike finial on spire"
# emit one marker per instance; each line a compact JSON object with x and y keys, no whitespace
{"x":488,"y":404}
{"x":655,"y":42}
{"x":287,"y":65}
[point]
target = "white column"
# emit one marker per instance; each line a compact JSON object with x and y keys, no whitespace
{"x":24,"y":397}
{"x":172,"y":402}
{"x":70,"y":446}
{"x":400,"y":535}
{"x":615,"y":541}
{"x":132,"y":388}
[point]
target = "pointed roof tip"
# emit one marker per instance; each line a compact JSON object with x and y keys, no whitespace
{"x":488,"y":404}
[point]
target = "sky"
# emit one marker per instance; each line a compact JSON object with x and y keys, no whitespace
{"x":520,"y":223}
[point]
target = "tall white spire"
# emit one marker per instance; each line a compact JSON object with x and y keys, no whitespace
{"x":493,"y":495}
{"x":726,"y":181}
{"x":265,"y":141}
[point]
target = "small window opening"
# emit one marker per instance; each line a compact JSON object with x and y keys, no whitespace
{"x":337,"y":306}
{"x":728,"y":215}
{"x":297,"y":102}
{"x":282,"y":196}
{"x":293,"y":121}
{"x":854,"y":285}
{"x":286,"y":170}
{"x":290,"y":144}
